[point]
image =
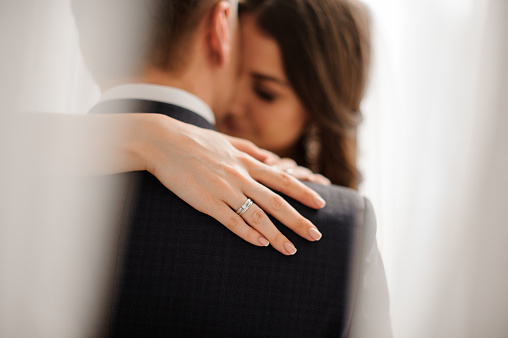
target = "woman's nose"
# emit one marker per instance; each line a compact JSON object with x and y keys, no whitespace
{"x":236,"y":108}
{"x":238,"y":103}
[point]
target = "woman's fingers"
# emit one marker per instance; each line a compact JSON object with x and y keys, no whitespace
{"x":286,"y":184}
{"x":237,"y":225}
{"x":286,"y":164}
{"x":283,"y":211}
{"x":251,"y":149}
{"x":320,"y":179}
{"x":301,"y":173}
{"x":257,"y":219}
{"x":304,"y":174}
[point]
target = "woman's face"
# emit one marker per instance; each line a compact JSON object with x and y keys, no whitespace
{"x":265,"y":110}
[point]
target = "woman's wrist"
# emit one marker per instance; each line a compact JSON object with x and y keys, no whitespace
{"x":145,"y":133}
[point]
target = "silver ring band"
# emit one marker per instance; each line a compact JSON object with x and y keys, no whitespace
{"x":244,"y":207}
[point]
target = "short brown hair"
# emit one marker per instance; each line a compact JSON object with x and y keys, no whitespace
{"x":173,"y":24}
{"x":118,"y":38}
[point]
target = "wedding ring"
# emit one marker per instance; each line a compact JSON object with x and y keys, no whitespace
{"x":244,"y":207}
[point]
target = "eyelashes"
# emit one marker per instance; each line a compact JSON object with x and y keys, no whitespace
{"x":263,"y":94}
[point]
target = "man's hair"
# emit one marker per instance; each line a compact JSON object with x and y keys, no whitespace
{"x":118,"y":38}
{"x":172,"y":29}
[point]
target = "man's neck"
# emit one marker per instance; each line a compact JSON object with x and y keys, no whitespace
{"x":191,"y":82}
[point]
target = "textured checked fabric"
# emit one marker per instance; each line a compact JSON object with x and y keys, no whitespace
{"x":184,"y":274}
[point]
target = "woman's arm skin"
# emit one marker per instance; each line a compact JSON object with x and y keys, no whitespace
{"x":201,"y":166}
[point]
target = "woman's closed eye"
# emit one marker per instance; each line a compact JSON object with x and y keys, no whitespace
{"x":264,"y":94}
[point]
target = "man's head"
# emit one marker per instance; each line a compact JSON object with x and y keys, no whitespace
{"x":191,"y":44}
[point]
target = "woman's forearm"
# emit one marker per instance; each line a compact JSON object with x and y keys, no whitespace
{"x":97,"y":144}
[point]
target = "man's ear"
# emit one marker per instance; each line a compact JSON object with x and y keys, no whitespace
{"x":219,"y":35}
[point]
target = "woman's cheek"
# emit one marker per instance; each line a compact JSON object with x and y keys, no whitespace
{"x":261,"y":113}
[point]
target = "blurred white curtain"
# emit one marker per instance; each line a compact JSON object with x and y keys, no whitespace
{"x":56,"y":234}
{"x":434,"y":154}
{"x":51,"y":73}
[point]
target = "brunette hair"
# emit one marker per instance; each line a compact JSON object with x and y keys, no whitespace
{"x":325,"y":49}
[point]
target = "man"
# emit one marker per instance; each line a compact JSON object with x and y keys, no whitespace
{"x":182,"y":274}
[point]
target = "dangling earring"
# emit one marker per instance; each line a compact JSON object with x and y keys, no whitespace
{"x":312,"y":146}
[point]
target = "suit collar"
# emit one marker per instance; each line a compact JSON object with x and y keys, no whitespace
{"x":146,"y":106}
{"x":158,"y":93}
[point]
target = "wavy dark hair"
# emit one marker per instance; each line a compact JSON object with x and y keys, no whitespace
{"x":325,"y":47}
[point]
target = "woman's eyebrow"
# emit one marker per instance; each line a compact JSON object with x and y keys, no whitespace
{"x":264,"y":77}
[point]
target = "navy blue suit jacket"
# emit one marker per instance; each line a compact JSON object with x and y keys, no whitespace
{"x":184,"y":274}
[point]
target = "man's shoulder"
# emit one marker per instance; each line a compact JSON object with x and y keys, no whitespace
{"x":339,"y":200}
{"x":177,"y":255}
{"x":345,"y":207}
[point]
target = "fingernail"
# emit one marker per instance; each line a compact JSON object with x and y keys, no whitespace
{"x":315,"y":234}
{"x":263,"y":241}
{"x":320,"y":202}
{"x":290,"y":248}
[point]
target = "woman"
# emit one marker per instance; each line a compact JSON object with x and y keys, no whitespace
{"x":305,"y":69}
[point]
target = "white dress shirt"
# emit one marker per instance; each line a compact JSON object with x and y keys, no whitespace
{"x":165,"y":94}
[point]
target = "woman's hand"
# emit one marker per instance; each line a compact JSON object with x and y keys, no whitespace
{"x":285,"y":164}
{"x":250,"y":148}
{"x":304,"y":174}
{"x":204,"y":169}
{"x":201,"y":166}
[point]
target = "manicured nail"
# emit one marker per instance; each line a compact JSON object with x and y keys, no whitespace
{"x":315,"y":234}
{"x":290,"y":248}
{"x":263,"y":241}
{"x":320,"y":202}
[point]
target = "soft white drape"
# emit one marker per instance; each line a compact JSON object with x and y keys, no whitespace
{"x":433,"y":153}
{"x":435,"y":159}
{"x":54,"y":77}
{"x":55,"y":238}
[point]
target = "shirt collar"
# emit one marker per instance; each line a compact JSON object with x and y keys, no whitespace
{"x":166,"y":94}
